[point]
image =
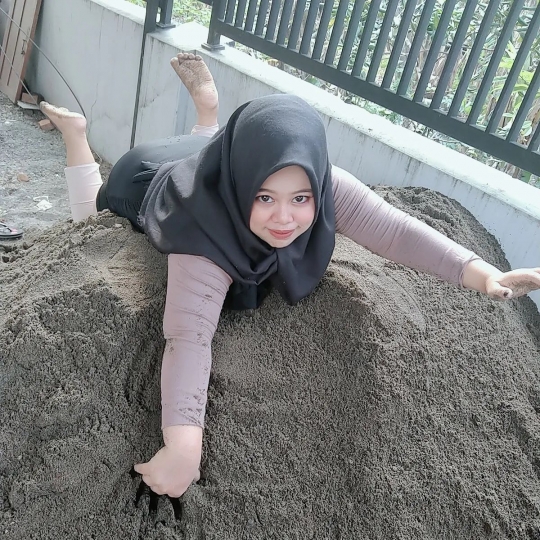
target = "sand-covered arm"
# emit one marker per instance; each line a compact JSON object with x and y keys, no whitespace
{"x":196,"y":289}
{"x":370,"y":221}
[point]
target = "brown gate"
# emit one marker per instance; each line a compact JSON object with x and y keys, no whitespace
{"x":16,"y":46}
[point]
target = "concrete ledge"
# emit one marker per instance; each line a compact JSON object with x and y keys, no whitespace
{"x":370,"y":147}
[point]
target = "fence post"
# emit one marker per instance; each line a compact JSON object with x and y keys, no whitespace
{"x":214,"y":37}
{"x":150,"y":25}
{"x":152,"y":8}
{"x":165,"y":14}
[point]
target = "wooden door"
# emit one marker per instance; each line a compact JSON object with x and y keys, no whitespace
{"x":16,"y":46}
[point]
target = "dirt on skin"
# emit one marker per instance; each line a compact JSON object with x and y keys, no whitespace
{"x":386,"y":405}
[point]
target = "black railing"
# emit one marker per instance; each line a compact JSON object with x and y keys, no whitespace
{"x":357,"y":46}
{"x":164,"y":9}
{"x":154,"y":8}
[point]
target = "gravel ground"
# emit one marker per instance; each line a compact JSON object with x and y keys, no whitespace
{"x":29,"y":153}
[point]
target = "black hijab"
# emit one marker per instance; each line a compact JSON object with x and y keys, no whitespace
{"x":201,"y":205}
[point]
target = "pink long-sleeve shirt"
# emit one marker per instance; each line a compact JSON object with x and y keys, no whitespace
{"x":197,"y":287}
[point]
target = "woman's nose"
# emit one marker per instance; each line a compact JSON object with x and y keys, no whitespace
{"x":283,"y":214}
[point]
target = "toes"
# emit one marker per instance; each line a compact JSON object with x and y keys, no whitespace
{"x":183,"y":57}
{"x":49,"y":109}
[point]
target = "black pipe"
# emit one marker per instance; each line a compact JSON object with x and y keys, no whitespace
{"x":150,"y":25}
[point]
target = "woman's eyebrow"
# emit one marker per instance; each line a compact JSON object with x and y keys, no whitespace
{"x":308,"y":190}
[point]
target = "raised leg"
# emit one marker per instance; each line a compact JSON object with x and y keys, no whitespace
{"x":82,"y":172}
{"x":197,"y":78}
{"x":72,"y":126}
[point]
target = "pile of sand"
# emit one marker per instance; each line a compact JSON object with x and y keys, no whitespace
{"x":387,"y":405}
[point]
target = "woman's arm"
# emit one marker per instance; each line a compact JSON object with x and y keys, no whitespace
{"x":370,"y":221}
{"x":196,"y":290}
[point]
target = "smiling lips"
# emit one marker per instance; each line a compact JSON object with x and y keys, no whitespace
{"x":281,"y":235}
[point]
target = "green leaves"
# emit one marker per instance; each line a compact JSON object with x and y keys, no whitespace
{"x":186,"y":11}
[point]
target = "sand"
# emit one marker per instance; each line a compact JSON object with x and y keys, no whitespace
{"x":387,"y":405}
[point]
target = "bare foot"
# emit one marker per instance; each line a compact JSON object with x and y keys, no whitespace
{"x":195,"y":75}
{"x":67,"y":122}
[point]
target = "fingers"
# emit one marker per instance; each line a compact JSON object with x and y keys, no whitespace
{"x":499,"y":292}
{"x":525,"y":274}
{"x":163,"y":480}
{"x":156,"y":492}
{"x":147,"y":479}
{"x":534,"y":273}
{"x":176,"y":503}
{"x":514,"y":284}
{"x":142,"y":468}
{"x":157,"y":488}
{"x":507,"y":294}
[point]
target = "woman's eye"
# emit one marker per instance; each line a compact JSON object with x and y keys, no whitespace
{"x":301,"y":199}
{"x":264,"y":198}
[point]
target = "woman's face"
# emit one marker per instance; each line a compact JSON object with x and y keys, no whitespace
{"x":284,"y":207}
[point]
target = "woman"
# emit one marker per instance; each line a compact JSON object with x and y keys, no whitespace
{"x":255,"y":206}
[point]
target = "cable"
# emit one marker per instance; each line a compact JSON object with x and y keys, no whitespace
{"x":48,"y":59}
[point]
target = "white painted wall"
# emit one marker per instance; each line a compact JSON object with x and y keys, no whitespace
{"x":96,"y":45}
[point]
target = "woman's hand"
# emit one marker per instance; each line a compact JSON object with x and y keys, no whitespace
{"x":513,"y":284}
{"x":483,"y":277}
{"x":176,"y":465}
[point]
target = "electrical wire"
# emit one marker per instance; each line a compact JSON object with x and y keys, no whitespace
{"x":47,"y":58}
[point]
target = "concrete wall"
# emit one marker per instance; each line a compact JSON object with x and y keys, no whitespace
{"x":96,"y":45}
{"x":97,"y":50}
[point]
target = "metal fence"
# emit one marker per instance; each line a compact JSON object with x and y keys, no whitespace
{"x":161,"y":8}
{"x":451,"y":65}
